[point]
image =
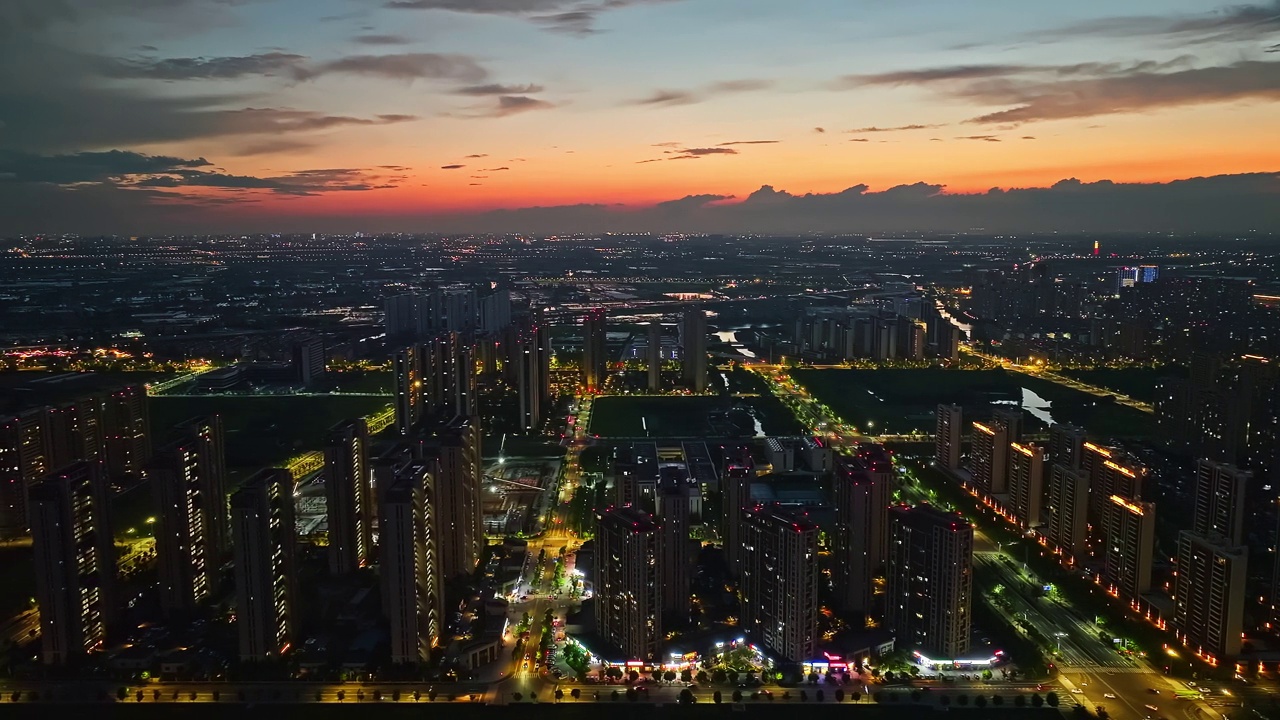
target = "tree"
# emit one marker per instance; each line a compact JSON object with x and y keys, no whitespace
{"x":1052,"y":699}
{"x":813,"y":678}
{"x":786,"y":694}
{"x":856,"y":696}
{"x":804,"y":696}
{"x":820,"y":695}
{"x":559,"y":694}
{"x":733,"y":677}
{"x":632,"y":695}
{"x":533,"y":695}
{"x":634,"y":675}
{"x":670,"y":676}
{"x":342,"y":695}
{"x":657,"y":675}
{"x":360,"y":696}
{"x":686,"y":697}
{"x":192,"y":696}
{"x":377,"y":696}
{"x":702,"y":677}
{"x":980,"y":701}
{"x":997,"y":700}
{"x":737,"y":696}
{"x":962,"y":700}
{"x":395,"y":696}
{"x":122,"y":693}
{"x":839,"y":696}
{"x":575,"y":693}
{"x":432,"y":695}
{"x":517,"y":696}
{"x":686,"y":675}
{"x":945,"y":700}
{"x":417,"y":695}
{"x":138,"y":696}
{"x":614,"y":672}
{"x":615,"y":696}
{"x":986,"y":674}
{"x":719,"y":676}
{"x":716,"y":697}
{"x":1036,"y":700}
{"x":155,"y":696}
{"x":1020,"y":700}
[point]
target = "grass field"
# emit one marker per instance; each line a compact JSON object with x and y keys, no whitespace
{"x":903,"y":401}
{"x":267,"y":429}
{"x":621,"y":416}
{"x":1137,"y":383}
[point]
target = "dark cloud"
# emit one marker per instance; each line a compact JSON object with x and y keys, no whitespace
{"x":1273,"y":49}
{"x":1088,"y":89}
{"x":376,"y":39}
{"x":512,"y":105}
{"x":897,"y":128}
{"x":267,"y":147}
{"x":574,"y":17}
{"x":478,"y":155}
{"x":215,"y":68}
{"x":1226,"y":203}
{"x":749,"y":142}
{"x":1230,"y":23}
{"x":402,"y":66}
{"x":499,"y":89}
{"x":689,"y":97}
{"x":981,"y":138}
{"x":497,"y":169}
{"x":1028,"y":137}
{"x":127,"y":170}
{"x":819,"y":130}
{"x":859,"y":140}
{"x":84,"y":167}
{"x":452,"y":167}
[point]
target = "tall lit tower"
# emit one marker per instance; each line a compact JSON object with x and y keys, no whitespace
{"x":595,"y":360}
{"x":694,"y":340}
{"x":349,"y":496}
{"x":263,"y":532}
{"x":862,"y":496}
{"x":74,"y":560}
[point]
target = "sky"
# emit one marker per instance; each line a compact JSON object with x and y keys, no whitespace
{"x":135,"y":116}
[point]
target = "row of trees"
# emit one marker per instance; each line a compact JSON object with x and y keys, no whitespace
{"x":915,"y":696}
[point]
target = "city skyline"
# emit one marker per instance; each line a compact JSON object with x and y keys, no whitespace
{"x":558,"y":116}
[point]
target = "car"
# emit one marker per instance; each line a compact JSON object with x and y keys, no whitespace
{"x":1077,"y":691}
{"x":1152,"y":708}
{"x":1109,"y":696}
{"x":1153,"y":691}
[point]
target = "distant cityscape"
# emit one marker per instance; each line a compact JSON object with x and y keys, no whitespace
{"x":942,"y":471}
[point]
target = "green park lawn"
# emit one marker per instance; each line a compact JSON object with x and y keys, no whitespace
{"x":894,"y":401}
{"x":701,"y":416}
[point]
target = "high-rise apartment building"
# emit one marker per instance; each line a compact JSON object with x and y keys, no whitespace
{"x":1066,"y":511}
{"x":264,"y":536}
{"x":448,"y":375}
{"x":1026,"y":483}
{"x":693,"y":338}
{"x":309,"y":360}
{"x":628,"y":586}
{"x":1209,"y":594}
{"x":126,"y":430}
{"x":408,"y":566}
{"x":1220,"y":501}
{"x":349,"y":496}
{"x":1111,"y":472}
{"x":188,"y":481}
{"x":409,"y":391}
{"x":75,"y":561}
{"x":653,"y":356}
{"x":24,"y":461}
{"x":530,"y":358}
{"x":1129,"y":544}
{"x":862,"y":495}
{"x":675,"y":562}
{"x":453,"y":449}
{"x":739,"y":472}
{"x":75,"y":431}
{"x":1066,"y":445}
{"x":780,"y":580}
{"x":929,"y":579}
{"x":988,"y":460}
{"x":595,"y":358}
{"x":946,"y":439}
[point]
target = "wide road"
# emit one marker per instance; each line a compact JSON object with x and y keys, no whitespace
{"x":1063,"y":380}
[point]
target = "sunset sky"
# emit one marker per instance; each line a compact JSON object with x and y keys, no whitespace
{"x":407,"y":114}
